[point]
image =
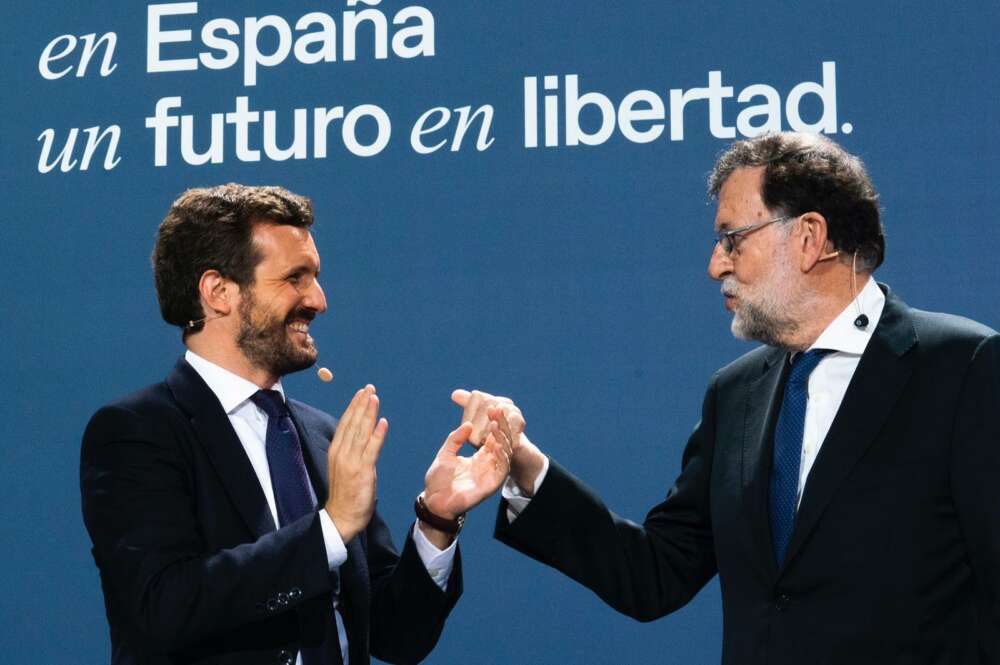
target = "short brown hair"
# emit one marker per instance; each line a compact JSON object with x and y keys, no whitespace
{"x":212,"y":229}
{"x":809,"y":172}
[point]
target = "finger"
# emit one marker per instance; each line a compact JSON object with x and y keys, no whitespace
{"x":505,"y":443}
{"x":366,"y":424}
{"x":493,"y":455}
{"x":456,"y":439}
{"x":514,"y":418}
{"x":475,"y":401}
{"x":505,"y":428}
{"x":348,"y":426}
{"x":503,"y":447}
{"x":472,"y":406}
{"x":358,"y":412}
{"x":496,"y":413}
{"x":344,"y":424}
{"x":460,"y":397}
{"x":476,"y":413}
{"x":376,"y":440}
{"x":499,"y":448}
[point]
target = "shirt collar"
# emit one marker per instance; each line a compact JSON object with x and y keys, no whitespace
{"x":842,"y":335}
{"x":231,"y":389}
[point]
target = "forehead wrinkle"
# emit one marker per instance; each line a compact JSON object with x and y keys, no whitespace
{"x":747,"y":209}
{"x":290,"y":254}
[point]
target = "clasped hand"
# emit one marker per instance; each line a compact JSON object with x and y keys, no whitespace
{"x":493,"y":417}
{"x":453,"y":484}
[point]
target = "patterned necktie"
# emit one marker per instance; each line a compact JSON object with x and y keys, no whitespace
{"x":290,"y":482}
{"x":788,"y":450}
{"x":289,"y":477}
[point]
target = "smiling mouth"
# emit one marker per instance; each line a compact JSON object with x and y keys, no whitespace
{"x":300,"y":327}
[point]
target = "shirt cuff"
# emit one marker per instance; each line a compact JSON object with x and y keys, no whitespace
{"x":336,"y":553}
{"x":516,"y":501}
{"x":437,"y":562}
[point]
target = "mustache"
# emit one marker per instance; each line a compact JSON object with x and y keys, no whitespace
{"x":728,"y":287}
{"x":301,"y":314}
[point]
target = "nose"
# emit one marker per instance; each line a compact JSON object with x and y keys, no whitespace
{"x":315,"y":299}
{"x":720,"y":264}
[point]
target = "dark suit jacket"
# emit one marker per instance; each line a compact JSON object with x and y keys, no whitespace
{"x":895,"y":554}
{"x":192,"y":567}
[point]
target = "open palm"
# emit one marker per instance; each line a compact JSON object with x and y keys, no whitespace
{"x":454,"y":484}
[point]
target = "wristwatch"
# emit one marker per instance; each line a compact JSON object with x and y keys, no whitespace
{"x":439,"y":523}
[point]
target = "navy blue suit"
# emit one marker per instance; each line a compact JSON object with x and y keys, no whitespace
{"x":192,"y":566}
{"x":894,"y":557}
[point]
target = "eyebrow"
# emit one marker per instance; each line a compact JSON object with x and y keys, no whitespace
{"x":300,"y":269}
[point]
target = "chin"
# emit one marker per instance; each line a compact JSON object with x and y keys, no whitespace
{"x":737,"y":328}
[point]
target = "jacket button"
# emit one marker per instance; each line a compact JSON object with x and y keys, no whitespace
{"x":781,"y":602}
{"x":282,"y":599}
{"x":294,"y":593}
{"x":272,"y":604}
{"x":286,"y":657}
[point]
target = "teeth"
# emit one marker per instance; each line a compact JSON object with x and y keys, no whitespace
{"x":299,"y":327}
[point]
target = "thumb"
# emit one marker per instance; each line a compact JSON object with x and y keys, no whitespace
{"x":460,"y":397}
{"x":455,"y":440}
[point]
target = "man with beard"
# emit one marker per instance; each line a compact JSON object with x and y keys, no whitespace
{"x":231,"y":525}
{"x":842,"y":480}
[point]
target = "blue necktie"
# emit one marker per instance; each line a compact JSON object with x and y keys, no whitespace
{"x":290,"y":482}
{"x":289,"y":477}
{"x":788,"y":450}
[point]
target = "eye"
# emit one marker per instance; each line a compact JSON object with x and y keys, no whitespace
{"x":300,"y":281}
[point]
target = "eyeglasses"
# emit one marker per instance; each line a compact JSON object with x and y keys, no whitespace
{"x":728,"y":238}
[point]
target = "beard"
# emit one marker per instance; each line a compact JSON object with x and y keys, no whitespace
{"x":265,"y":340}
{"x":762,"y":311}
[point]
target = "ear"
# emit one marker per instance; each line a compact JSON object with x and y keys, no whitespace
{"x":218,"y":294}
{"x":813,"y":241}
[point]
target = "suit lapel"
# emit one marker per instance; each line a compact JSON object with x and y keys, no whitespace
{"x":763,"y":396}
{"x":223,"y":447}
{"x":878,"y":382}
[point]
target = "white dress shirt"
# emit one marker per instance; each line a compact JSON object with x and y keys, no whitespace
{"x":250,"y":424}
{"x":827,"y":385}
{"x":828,"y":382}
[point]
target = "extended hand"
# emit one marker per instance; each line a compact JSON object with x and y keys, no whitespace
{"x":351,"y":458}
{"x":481,"y":409}
{"x":475,"y":410}
{"x":455,"y":484}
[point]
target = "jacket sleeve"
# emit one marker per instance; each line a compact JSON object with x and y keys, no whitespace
{"x":642,"y":570}
{"x":139,"y":508}
{"x":408,"y":609}
{"x":976,"y":486}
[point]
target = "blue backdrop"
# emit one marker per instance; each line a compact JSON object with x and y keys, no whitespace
{"x":571,"y":278}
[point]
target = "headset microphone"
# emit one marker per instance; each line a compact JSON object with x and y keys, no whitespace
{"x":861,"y":321}
{"x":194,"y":322}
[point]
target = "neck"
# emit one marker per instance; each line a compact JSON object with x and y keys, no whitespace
{"x":822,"y":304}
{"x":230,"y":358}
